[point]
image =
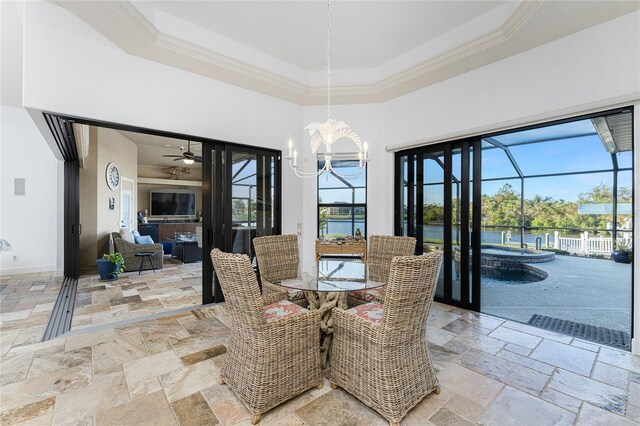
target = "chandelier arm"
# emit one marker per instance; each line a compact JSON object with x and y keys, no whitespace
{"x":312,"y":176}
{"x":306,"y":174}
{"x":350,"y":176}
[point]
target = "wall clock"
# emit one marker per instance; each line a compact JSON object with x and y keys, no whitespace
{"x":113,"y":176}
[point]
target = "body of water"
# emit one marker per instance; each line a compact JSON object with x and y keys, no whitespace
{"x":494,"y":236}
{"x":344,"y":227}
{"x":436,"y":233}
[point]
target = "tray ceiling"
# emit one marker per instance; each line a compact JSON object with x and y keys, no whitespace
{"x":380,"y":50}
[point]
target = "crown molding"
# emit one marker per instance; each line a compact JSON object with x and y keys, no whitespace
{"x":198,"y":53}
{"x":145,"y":40}
{"x":495,"y":38}
{"x":135,"y":17}
{"x":232,"y":65}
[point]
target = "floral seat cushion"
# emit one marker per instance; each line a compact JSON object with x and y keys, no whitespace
{"x":282,"y":309}
{"x":294,"y":294}
{"x":369,"y":311}
{"x":370,"y":295}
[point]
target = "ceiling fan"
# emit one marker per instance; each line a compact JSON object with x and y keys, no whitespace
{"x":187,"y":157}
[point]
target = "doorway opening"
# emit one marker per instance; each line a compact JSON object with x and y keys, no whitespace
{"x":180,"y":195}
{"x":535,"y":223}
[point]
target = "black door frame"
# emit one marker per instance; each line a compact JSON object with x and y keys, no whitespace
{"x":219,"y":230}
{"x":476,"y":142}
{"x":61,"y":126}
{"x":62,"y":132}
{"x":469,"y":294}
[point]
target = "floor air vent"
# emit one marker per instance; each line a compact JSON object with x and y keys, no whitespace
{"x":605,"y":336}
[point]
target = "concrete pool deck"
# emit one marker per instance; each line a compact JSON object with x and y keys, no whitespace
{"x":579,"y":289}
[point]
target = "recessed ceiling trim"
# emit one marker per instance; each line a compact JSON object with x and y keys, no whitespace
{"x":127,"y":27}
{"x":525,"y":10}
{"x":199,"y":53}
{"x":133,"y":15}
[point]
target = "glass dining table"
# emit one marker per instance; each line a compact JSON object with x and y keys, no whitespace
{"x":325,"y":284}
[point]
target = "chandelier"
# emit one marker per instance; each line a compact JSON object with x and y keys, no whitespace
{"x":327,"y":133}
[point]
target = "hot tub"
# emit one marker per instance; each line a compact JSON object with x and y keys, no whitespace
{"x":511,"y":259}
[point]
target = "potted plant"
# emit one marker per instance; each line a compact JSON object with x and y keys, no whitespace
{"x":110,"y":266}
{"x":622,"y":252}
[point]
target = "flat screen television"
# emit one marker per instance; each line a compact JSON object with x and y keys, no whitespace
{"x":173,"y":203}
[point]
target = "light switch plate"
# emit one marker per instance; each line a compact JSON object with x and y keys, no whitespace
{"x":19,"y":186}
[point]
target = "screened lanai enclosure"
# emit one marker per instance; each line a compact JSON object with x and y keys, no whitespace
{"x":530,"y":222}
{"x":342,"y":199}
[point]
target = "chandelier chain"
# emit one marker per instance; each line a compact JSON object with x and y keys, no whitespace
{"x":328,"y":60}
{"x":324,"y":133}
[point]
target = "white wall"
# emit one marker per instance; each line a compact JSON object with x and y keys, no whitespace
{"x":71,"y":69}
{"x":593,"y":69}
{"x":28,"y":222}
{"x":596,"y":66}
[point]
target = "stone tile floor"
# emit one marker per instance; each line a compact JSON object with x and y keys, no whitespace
{"x":26,"y":302}
{"x":175,"y":286}
{"x":164,"y":371}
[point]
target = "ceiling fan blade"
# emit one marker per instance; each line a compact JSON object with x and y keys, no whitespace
{"x":198,"y":158}
{"x":179,"y":159}
{"x":173,"y":156}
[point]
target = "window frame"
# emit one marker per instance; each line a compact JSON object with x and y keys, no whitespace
{"x":320,"y":205}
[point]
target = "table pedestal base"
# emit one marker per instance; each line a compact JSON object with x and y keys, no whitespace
{"x":325,"y":302}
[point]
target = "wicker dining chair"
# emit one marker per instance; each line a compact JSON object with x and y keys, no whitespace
{"x":382,"y":249}
{"x":278,"y":260}
{"x":380,"y":353}
{"x":274,"y":350}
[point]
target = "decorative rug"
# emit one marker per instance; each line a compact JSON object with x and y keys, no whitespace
{"x":602,"y":335}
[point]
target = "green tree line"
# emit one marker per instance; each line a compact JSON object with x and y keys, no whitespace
{"x":503,"y":208}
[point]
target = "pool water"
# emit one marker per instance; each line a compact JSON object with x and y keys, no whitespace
{"x":496,"y":276}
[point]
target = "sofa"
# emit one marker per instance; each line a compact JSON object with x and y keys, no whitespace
{"x":128,"y":251}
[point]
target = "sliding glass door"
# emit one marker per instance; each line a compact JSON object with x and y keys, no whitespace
{"x":250,"y":208}
{"x":536,"y":223}
{"x":241,"y":195}
{"x":434,"y":203}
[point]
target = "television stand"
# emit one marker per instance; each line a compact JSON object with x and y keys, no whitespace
{"x":160,"y":232}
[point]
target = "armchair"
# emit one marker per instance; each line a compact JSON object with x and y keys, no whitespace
{"x":380,"y":353}
{"x":278,"y":260}
{"x":128,"y":250}
{"x":382,"y":249}
{"x":274,"y":350}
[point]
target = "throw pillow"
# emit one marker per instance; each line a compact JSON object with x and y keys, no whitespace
{"x":127,"y":235}
{"x":135,"y":233}
{"x":144,"y":239}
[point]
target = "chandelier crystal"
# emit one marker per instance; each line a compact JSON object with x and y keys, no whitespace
{"x":327,"y":133}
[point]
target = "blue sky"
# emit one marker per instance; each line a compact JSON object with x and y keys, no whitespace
{"x":584,"y":153}
{"x":345,"y":193}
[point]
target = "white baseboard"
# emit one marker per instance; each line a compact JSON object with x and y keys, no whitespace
{"x":31,"y":270}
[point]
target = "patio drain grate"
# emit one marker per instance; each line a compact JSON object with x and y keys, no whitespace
{"x":605,"y":336}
